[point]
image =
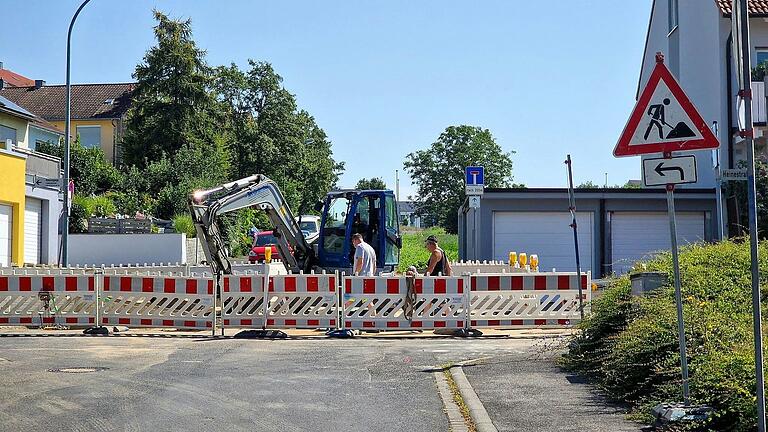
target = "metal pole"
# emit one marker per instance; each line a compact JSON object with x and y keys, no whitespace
{"x":746,"y":94}
{"x":678,"y":292}
{"x":397,"y":185}
{"x":718,"y":187}
{"x":65,"y":183}
{"x":572,"y":209}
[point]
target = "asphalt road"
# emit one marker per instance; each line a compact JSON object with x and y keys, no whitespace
{"x":151,"y":383}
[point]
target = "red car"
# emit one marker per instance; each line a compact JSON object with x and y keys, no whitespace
{"x":264,"y":240}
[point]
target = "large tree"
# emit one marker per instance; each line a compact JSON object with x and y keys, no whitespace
{"x":438,"y":172}
{"x":172,"y":105}
{"x":373,"y":183}
{"x":270,"y":135}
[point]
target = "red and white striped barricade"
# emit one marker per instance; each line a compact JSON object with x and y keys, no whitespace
{"x":526,"y":300}
{"x":154,"y":301}
{"x":243,"y":301}
{"x":71,"y":300}
{"x":302,"y":301}
{"x":377,"y":303}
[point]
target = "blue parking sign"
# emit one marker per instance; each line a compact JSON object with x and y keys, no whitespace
{"x":475,"y":175}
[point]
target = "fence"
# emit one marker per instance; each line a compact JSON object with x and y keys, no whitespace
{"x":259,"y":300}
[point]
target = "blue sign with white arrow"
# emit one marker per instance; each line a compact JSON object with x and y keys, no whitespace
{"x":475,"y":175}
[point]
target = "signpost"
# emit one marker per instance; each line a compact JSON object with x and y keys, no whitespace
{"x":474,"y":181}
{"x":664,"y":121}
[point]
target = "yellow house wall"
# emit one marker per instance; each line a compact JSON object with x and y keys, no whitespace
{"x":21,"y":126}
{"x":107,"y":134}
{"x":12,"y":169}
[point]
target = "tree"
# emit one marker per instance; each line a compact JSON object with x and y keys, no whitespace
{"x":737,"y":191}
{"x":88,"y":169}
{"x":171,"y":105}
{"x":372,"y":184}
{"x":589,"y":184}
{"x":438,"y":172}
{"x":270,"y":135}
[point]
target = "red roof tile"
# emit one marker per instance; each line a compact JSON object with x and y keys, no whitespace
{"x":89,"y":101}
{"x":756,"y":7}
{"x":13,"y":79}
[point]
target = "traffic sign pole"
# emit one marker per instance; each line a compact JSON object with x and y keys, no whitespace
{"x":678,"y":292}
{"x":741,"y":13}
{"x":572,"y":209}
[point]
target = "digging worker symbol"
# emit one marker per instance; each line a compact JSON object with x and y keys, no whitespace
{"x":656,"y":111}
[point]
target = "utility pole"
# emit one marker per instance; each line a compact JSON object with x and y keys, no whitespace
{"x":67,"y":138}
{"x":397,"y":186}
{"x":740,"y":13}
{"x":572,"y":209}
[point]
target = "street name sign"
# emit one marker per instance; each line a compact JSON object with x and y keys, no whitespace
{"x":733,"y":174}
{"x":474,"y":178}
{"x":665,"y":171}
{"x":664,"y":119}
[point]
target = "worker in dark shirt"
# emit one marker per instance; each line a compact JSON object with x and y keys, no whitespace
{"x":438,"y":261}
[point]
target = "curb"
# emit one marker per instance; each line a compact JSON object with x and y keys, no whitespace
{"x":477,"y":411}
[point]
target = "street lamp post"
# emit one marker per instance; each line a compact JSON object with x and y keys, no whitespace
{"x":67,"y":138}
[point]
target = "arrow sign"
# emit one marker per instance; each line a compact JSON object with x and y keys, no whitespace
{"x":663,"y":171}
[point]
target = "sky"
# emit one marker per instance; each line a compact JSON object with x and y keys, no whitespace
{"x":385,"y":78}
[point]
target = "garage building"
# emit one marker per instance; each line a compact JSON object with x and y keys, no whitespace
{"x":617,"y":226}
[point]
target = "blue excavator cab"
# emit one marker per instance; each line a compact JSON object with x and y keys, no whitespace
{"x":371,"y":213}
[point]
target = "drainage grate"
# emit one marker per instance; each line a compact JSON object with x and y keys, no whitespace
{"x":78,"y":369}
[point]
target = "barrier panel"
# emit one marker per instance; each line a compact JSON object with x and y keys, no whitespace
{"x":291,"y":301}
{"x":157,"y":302}
{"x":522,"y":300}
{"x":31,"y":300}
{"x":378,"y":303}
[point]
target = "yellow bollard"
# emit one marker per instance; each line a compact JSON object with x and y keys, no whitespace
{"x":268,"y":254}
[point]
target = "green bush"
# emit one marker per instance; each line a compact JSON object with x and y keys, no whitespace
{"x":96,"y":206}
{"x":629,"y":345}
{"x":413,"y":252}
{"x":182,"y":223}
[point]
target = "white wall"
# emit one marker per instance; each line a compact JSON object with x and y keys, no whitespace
{"x":108,"y":249}
{"x":51,"y":212}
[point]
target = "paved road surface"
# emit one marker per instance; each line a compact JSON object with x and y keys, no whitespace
{"x":152,"y":384}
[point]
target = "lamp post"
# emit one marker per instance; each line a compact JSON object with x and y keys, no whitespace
{"x":67,"y":138}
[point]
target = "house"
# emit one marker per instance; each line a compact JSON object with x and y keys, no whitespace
{"x":616,"y":226}
{"x":10,"y":78}
{"x":97,"y":111}
{"x":30,"y":203}
{"x":406,"y":211}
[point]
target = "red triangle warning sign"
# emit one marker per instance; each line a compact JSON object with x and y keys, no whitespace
{"x":664,"y":120}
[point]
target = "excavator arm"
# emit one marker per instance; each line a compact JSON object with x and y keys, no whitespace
{"x":259,"y":191}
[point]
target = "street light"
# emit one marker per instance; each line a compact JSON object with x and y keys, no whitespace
{"x":65,"y":183}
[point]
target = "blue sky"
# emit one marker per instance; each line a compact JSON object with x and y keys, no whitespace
{"x":385,"y":78}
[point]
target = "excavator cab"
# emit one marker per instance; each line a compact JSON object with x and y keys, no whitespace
{"x":372,"y":213}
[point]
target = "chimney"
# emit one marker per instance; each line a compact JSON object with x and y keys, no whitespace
{"x":39,"y":83}
{"x":2,"y":84}
{"x":1,"y":65}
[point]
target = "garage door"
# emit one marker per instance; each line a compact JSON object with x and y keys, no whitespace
{"x":33,"y":210}
{"x":636,"y":236}
{"x":548,"y":235}
{"x":6,"y":221}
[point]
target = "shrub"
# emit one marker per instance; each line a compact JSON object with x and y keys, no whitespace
{"x":96,"y":206}
{"x":629,"y":345}
{"x":182,"y":223}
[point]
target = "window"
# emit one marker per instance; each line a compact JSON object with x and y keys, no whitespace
{"x":335,"y":227}
{"x":673,"y":14}
{"x":7,"y":133}
{"x":90,"y":136}
{"x":761,"y":55}
{"x":392,"y":252}
{"x":265,"y":240}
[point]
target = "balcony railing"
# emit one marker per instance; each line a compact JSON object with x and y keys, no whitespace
{"x":40,"y":165}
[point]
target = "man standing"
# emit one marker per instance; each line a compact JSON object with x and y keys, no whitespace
{"x":438,"y":262}
{"x":365,"y":257}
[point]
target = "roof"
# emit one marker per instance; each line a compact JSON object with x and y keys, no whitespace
{"x":406,"y":206}
{"x":13,"y":79}
{"x":13,"y":109}
{"x":543,"y":192}
{"x":89,"y":101}
{"x":756,"y":7}
{"x":41,"y":123}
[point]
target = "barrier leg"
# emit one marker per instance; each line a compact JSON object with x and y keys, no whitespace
{"x":467,"y":331}
{"x":97,"y":328}
{"x":340,"y":331}
{"x":263,"y":333}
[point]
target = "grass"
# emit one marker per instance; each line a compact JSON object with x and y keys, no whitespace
{"x":463,"y":408}
{"x":413,"y":252}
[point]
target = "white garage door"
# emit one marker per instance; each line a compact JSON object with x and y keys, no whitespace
{"x":33,"y":210}
{"x":548,"y":235}
{"x":6,"y":221}
{"x":636,"y":236}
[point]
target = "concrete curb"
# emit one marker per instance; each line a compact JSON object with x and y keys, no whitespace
{"x":455,"y":419}
{"x":477,"y":411}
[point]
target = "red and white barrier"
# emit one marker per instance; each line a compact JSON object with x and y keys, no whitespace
{"x":72,"y":300}
{"x":526,"y":300}
{"x":377,"y":303}
{"x":157,"y":302}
